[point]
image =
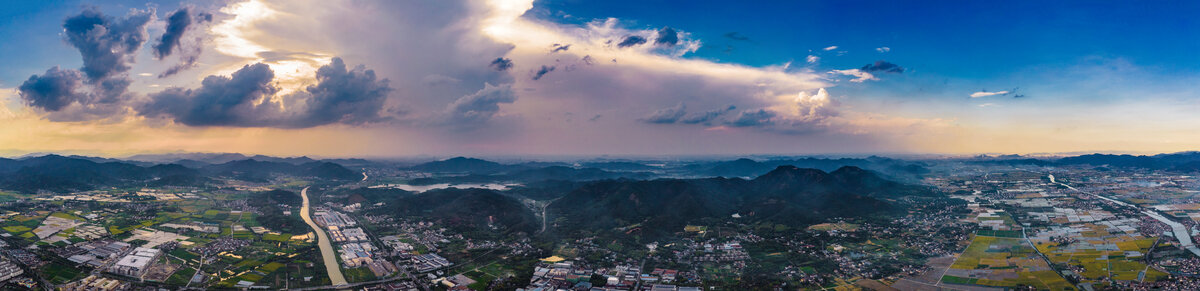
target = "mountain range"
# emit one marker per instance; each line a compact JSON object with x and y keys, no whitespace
{"x":786,"y":194}
{"x":57,"y":173}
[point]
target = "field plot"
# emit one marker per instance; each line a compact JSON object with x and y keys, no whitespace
{"x":1003,"y":262}
{"x":1105,"y":249}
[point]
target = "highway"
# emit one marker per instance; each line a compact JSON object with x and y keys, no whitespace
{"x":327,"y":253}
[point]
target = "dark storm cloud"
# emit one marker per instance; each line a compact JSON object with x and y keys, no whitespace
{"x":882,"y":66}
{"x":344,"y":96}
{"x":560,"y":47}
{"x":220,"y":100}
{"x":501,"y":64}
{"x":666,"y":115}
{"x":667,"y":36}
{"x":541,"y":72}
{"x":479,"y":107}
{"x":244,"y":99}
{"x":631,"y":40}
{"x":179,"y":23}
{"x":53,"y":90}
{"x":707,"y":116}
{"x":752,"y":118}
{"x":107,"y":45}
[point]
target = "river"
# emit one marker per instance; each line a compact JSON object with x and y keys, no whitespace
{"x":1179,"y":231}
{"x":327,"y":253}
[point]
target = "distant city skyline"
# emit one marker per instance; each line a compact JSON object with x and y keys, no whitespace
{"x":588,"y":78}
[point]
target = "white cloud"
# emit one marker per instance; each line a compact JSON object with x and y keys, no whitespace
{"x":987,"y":105}
{"x":986,"y":93}
{"x":883,"y":49}
{"x":829,"y":48}
{"x":859,"y":75}
{"x":813,"y":59}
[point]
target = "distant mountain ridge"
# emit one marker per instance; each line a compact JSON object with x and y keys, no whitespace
{"x":1181,"y":161}
{"x":63,"y":174}
{"x":461,"y":165}
{"x":253,"y":170}
{"x":786,"y":194}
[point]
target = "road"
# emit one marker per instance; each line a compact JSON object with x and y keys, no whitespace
{"x":327,"y":253}
{"x":544,"y":219}
{"x":1179,"y":230}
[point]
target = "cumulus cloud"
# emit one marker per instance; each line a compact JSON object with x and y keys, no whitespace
{"x":666,"y":115}
{"x":501,"y":64}
{"x":667,"y":36}
{"x":811,"y":59}
{"x":882,"y":66}
{"x":883,"y":49}
{"x":53,"y":90}
{"x":240,"y":100}
{"x":858,"y":74}
{"x":479,"y":107}
{"x":108,"y":45}
{"x":344,"y":96}
{"x":631,"y":40}
{"x":248,"y":98}
{"x":98,"y":90}
{"x":802,"y":114}
{"x":541,"y":72}
{"x":178,"y":23}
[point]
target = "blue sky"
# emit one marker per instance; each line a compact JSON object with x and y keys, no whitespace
{"x":603,"y":77}
{"x":970,"y":39}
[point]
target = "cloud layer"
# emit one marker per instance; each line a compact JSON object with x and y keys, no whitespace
{"x":510,"y":79}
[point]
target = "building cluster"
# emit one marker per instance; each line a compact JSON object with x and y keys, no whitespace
{"x":220,"y":245}
{"x":25,"y":258}
{"x":9,"y":270}
{"x":429,"y":262}
{"x":95,"y":253}
{"x":569,"y":275}
{"x":338,"y":235}
{"x":354,"y":246}
{"x":136,"y":262}
{"x":94,"y":283}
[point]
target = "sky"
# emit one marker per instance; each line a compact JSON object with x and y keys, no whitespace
{"x":364,"y":78}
